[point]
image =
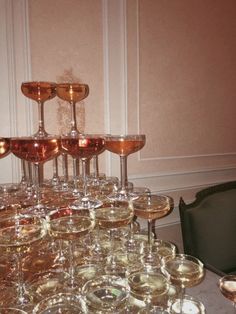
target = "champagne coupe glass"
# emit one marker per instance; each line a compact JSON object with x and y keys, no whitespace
{"x":124,"y":145}
{"x":106,"y":294}
{"x":227,"y":285}
{"x":39,"y":92}
{"x":37,"y":150}
{"x":150,"y":287}
{"x":66,"y":303}
{"x":112,"y":217}
{"x":72,"y":93}
{"x":70,"y":226}
{"x":184,"y":271}
{"x":151,"y":207}
{"x":84,"y":146}
{"x":17,"y":235}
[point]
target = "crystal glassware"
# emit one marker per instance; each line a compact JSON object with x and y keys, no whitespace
{"x":188,"y":305}
{"x":111,"y":217}
{"x":18,"y":233}
{"x":124,"y":145}
{"x":152,"y":207}
{"x":69,"y":225}
{"x":66,"y":303}
{"x":184,"y":271}
{"x":37,"y":150}
{"x":72,"y":93}
{"x":151,"y":287}
{"x":227,"y":285}
{"x":84,"y":147}
{"x":106,"y":294}
{"x":39,"y":92}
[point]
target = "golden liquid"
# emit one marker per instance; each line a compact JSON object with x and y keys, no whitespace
{"x":70,"y":227}
{"x":72,"y":92}
{"x":20,"y":238}
{"x":4,"y":146}
{"x":39,"y":91}
{"x":35,"y":149}
{"x":83,"y":147}
{"x":145,"y":286}
{"x":152,"y":207}
{"x":124,"y":146}
{"x":228,"y":289}
{"x":184,"y":272}
{"x":113,"y":217}
{"x":105,"y":294}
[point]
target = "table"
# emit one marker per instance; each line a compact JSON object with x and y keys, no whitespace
{"x":209,"y":294}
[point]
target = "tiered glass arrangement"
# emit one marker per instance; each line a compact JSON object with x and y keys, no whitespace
{"x":84,"y":251}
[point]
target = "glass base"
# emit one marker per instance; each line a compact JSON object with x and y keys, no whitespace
{"x":122,"y":196}
{"x":188,"y":305}
{"x":85,"y":203}
{"x":38,"y":210}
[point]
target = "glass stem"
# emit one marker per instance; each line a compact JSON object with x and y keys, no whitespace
{"x":23,"y":170}
{"x":20,"y":281}
{"x":123,"y":172}
{"x":84,"y":175}
{"x":71,"y":263}
{"x":55,"y":176}
{"x":41,"y":129}
{"x":37,"y":182}
{"x":30,"y":179}
{"x":149,"y":234}
{"x":95,"y":166}
{"x":65,"y":171}
{"x":73,"y":122}
{"x":75,"y":179}
{"x":181,"y":300}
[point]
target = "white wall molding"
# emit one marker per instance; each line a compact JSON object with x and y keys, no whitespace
{"x":15,"y":110}
{"x":115,"y":71}
{"x":179,"y":182}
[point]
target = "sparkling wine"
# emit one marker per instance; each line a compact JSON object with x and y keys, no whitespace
{"x":113,"y":217}
{"x":123,"y":146}
{"x":35,"y":149}
{"x":70,"y":227}
{"x":4,"y":146}
{"x":147,"y":285}
{"x":39,"y":91}
{"x":184,"y":272}
{"x":152,"y":207}
{"x":105,"y":294}
{"x":72,"y":92}
{"x":19,"y":238}
{"x":228,"y":287}
{"x":83,"y":147}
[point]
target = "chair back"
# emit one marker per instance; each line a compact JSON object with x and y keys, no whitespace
{"x":209,"y":226}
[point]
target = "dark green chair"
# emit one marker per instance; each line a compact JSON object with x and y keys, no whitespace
{"x":209,"y":227}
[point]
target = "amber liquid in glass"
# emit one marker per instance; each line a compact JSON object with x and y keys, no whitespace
{"x":73,"y":92}
{"x":39,"y":91}
{"x":151,"y":213}
{"x":70,"y":227}
{"x":83,"y":147}
{"x":184,"y":272}
{"x":228,"y":289}
{"x":35,"y":149}
{"x":113,"y":217}
{"x":4,"y":146}
{"x":124,"y":147}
